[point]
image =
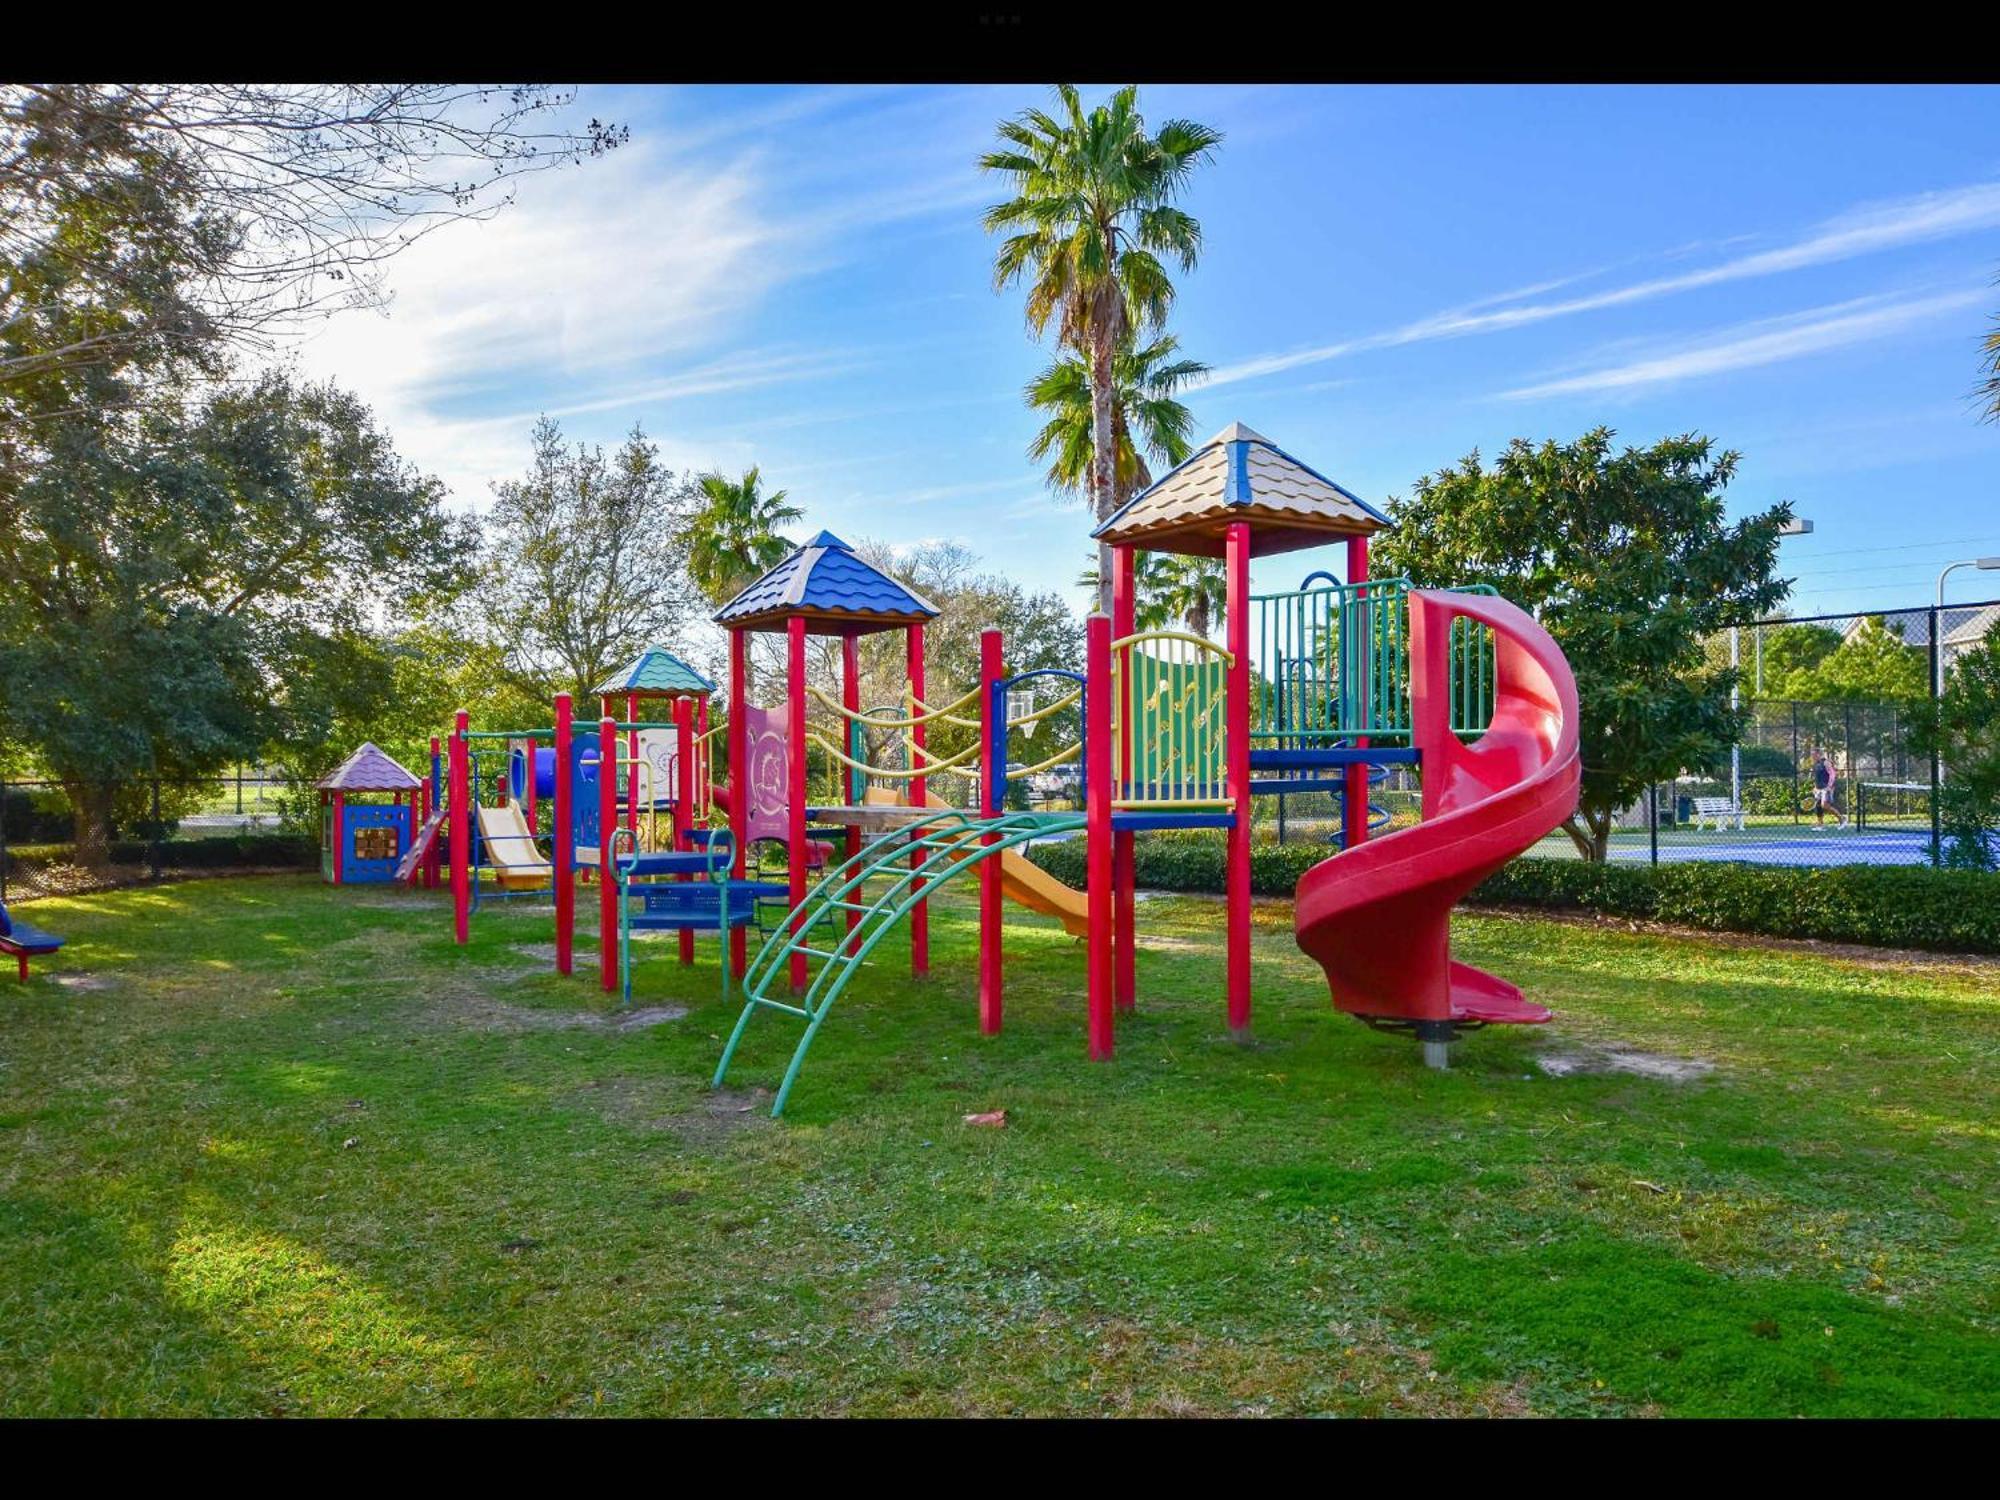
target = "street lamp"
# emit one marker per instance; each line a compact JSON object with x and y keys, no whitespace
{"x":1990,"y":564}
{"x":1985,"y":564}
{"x":1797,"y":526}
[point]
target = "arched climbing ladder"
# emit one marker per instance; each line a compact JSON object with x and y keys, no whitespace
{"x":951,"y":842}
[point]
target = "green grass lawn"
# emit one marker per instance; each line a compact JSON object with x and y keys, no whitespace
{"x":276,"y":1148}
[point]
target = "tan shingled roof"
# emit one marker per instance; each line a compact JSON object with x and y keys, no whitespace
{"x":1240,"y":475}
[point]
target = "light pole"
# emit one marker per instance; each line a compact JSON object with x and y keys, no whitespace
{"x":1797,"y":526}
{"x":1985,"y":564}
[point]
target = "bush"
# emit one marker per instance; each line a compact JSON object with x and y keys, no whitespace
{"x":250,"y":851}
{"x":1904,"y":907}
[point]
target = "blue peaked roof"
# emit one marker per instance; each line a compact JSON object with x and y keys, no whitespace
{"x":825,"y":581}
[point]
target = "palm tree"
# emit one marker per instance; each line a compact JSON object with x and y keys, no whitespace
{"x":1167,"y":587}
{"x":1989,"y":388}
{"x":1091,"y":216}
{"x":734,"y":539}
{"x":1143,"y":396}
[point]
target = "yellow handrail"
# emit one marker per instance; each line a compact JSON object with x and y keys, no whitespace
{"x":1061,"y":757}
{"x":877,"y":722}
{"x":876,"y":771}
{"x":1189,"y":636}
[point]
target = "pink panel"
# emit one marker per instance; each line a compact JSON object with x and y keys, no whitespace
{"x":766,"y":756}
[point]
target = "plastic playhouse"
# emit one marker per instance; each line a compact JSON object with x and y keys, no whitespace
{"x":362,"y":842}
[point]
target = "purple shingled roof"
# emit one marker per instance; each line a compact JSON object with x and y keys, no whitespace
{"x":369,"y":769}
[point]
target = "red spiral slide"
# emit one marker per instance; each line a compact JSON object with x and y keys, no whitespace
{"x":1377,"y":917}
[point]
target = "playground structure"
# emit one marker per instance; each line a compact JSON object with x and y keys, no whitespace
{"x":362,"y":842}
{"x":1351,"y":677}
{"x":1347,"y":678}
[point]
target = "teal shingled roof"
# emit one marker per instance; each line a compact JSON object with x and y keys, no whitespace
{"x":825,"y":581}
{"x":656,"y":673}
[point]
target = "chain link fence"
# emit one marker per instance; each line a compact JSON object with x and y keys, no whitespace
{"x":61,"y":838}
{"x":1832,"y":769}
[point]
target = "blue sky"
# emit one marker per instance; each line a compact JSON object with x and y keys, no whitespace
{"x":1392,"y":277}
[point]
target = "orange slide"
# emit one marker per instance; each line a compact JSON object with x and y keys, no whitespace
{"x":1026,"y":883}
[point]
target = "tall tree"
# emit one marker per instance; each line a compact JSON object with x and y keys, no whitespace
{"x":1092,"y":215}
{"x":734,"y":536}
{"x":588,"y":562}
{"x":1148,"y":420}
{"x":1629,"y":563}
{"x":176,"y":621}
{"x":1168,"y":588}
{"x":193,"y":215}
{"x":1989,"y":386}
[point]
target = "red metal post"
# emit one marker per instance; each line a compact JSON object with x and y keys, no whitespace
{"x":683,"y":794}
{"x":435,"y":857}
{"x":795,"y":791}
{"x":920,"y":914}
{"x":528,"y":784}
{"x":460,"y":801}
{"x":1236,"y":756}
{"x":564,"y":816}
{"x":339,"y":835}
{"x":739,"y":792}
{"x":1098,"y":761}
{"x":1354,"y":801}
{"x":992,"y":790}
{"x":850,"y":699}
{"x":607,"y":828}
{"x":420,"y":812}
{"x":1123,"y":958}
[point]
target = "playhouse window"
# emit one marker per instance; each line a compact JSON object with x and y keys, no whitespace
{"x":375,"y":843}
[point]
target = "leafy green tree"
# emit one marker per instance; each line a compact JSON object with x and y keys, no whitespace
{"x":588,"y":562}
{"x":1872,"y":664}
{"x":1628,"y":562}
{"x":1791,"y":657}
{"x":173,"y":584}
{"x":1965,"y":737}
{"x":1092,"y":215}
{"x":734,"y":536}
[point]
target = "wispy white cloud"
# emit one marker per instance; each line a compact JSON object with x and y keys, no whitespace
{"x":603,"y":286}
{"x":1864,"y":230}
{"x":1767,"y":341}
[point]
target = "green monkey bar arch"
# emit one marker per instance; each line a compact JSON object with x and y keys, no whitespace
{"x":955,"y":842}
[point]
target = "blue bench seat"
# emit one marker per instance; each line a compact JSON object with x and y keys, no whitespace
{"x":22,"y":940}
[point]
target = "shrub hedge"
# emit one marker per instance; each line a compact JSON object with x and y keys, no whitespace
{"x":249,"y":851}
{"x":1895,"y":906}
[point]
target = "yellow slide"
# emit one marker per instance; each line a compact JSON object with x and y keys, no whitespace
{"x":509,"y":849}
{"x":1028,"y":884}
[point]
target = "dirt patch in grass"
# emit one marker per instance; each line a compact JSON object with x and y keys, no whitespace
{"x":664,"y":1104}
{"x":82,"y":982}
{"x":475,"y":1007}
{"x":1584,"y":1060}
{"x":1978,"y":964}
